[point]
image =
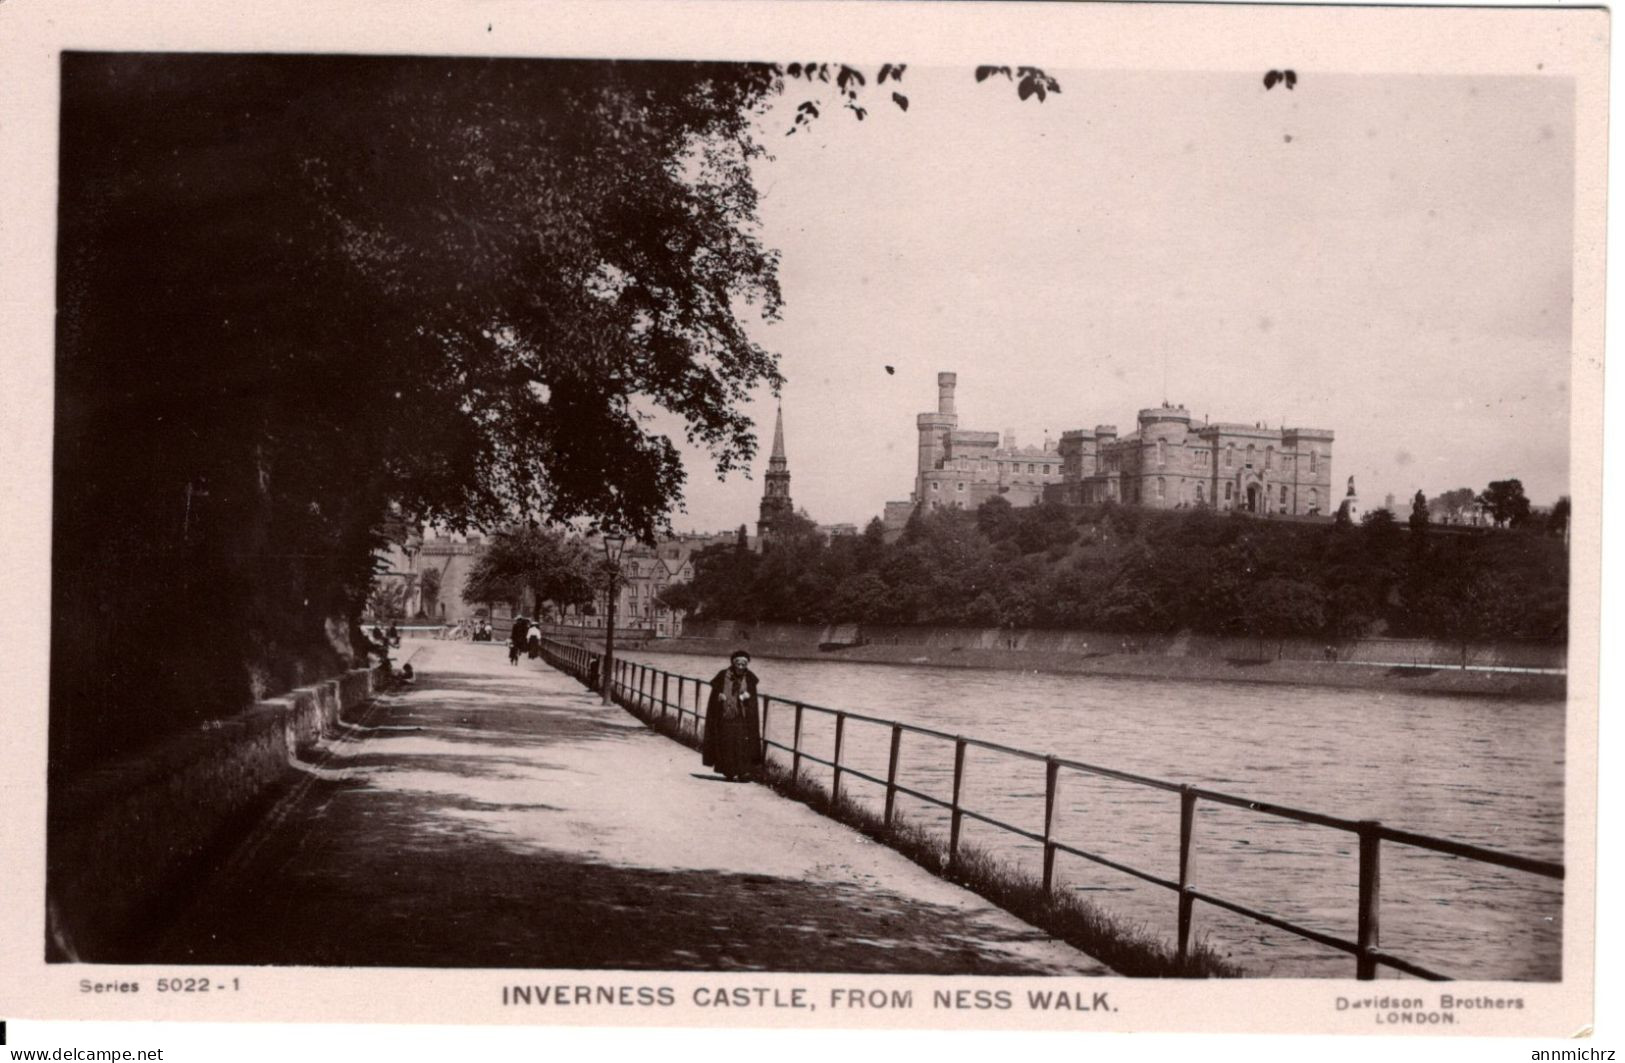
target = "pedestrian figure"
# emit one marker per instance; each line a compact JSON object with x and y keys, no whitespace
{"x":533,"y":640}
{"x":394,"y":634}
{"x":733,"y":731}
{"x":516,"y":638}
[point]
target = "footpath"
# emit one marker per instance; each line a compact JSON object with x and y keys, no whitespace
{"x":498,"y":816}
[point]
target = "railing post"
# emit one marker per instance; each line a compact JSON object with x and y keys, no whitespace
{"x":840,"y":741}
{"x":1187,"y":827}
{"x":1370,"y":897}
{"x":665,"y":692}
{"x":766,"y":703}
{"x":891,"y":771}
{"x":795,"y":747}
{"x":1052,"y":785}
{"x":956,"y":815}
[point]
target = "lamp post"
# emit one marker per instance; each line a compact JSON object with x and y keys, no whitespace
{"x":613,"y":545}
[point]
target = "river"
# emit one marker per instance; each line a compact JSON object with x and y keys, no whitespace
{"x":1481,"y":770}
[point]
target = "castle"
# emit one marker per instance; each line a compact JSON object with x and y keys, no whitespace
{"x":1169,"y":461}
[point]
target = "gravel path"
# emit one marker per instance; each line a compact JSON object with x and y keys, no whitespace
{"x":493,"y":816}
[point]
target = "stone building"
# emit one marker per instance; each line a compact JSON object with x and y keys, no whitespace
{"x":960,"y":468}
{"x":1168,"y":461}
{"x":431,"y":566}
{"x":1171,"y":461}
{"x":646,"y":571}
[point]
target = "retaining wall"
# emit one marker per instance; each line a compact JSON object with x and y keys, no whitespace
{"x":1424,"y":652}
{"x":118,"y":837}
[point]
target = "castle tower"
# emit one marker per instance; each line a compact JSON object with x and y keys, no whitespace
{"x":934,"y":429}
{"x":776,"y":504}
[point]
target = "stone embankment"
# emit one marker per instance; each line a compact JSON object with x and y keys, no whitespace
{"x":121,"y":836}
{"x":1419,"y":666}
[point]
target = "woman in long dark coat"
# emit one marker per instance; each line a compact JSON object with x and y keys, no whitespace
{"x":733,"y":730}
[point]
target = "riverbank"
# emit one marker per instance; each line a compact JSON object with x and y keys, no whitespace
{"x":1375,"y":676}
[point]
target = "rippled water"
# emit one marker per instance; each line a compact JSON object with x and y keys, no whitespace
{"x":1481,"y":770}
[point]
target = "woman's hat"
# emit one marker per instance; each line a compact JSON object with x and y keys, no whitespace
{"x":739,"y":653}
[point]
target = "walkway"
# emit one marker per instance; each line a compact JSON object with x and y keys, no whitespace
{"x":492,"y":816}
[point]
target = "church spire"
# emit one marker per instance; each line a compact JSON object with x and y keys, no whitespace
{"x":776,"y":504}
{"x":778,"y":461}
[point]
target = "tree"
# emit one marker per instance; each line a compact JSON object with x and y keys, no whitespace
{"x":1283,"y":608}
{"x":388,"y":599}
{"x":1505,"y":502}
{"x":1558,"y":523}
{"x":555,"y":570}
{"x":848,"y":85}
{"x":302,"y":289}
{"x":429,"y":591}
{"x":1451,"y":506}
{"x":679,"y":597}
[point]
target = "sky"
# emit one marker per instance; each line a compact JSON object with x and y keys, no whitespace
{"x":1389,"y":257}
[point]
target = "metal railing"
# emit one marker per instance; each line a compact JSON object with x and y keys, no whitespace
{"x":648,"y":691}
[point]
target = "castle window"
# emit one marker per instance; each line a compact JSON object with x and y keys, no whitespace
{"x":1162,"y":489}
{"x":1030,"y":467}
{"x":935,"y":486}
{"x":1314,"y":500}
{"x":1269,"y":457}
{"x":1314,"y":461}
{"x":1200,"y":497}
{"x":1229,"y":491}
{"x":960,"y":487}
{"x":1162,"y":452}
{"x":1252,"y":455}
{"x":1283,"y":494}
{"x":1229,"y":455}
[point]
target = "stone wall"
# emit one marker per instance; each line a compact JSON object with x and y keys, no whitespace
{"x":1415,"y":652}
{"x":119,"y":838}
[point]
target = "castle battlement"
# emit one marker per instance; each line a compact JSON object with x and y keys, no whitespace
{"x":1169,"y":460}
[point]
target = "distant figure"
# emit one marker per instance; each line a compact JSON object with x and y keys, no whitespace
{"x":516,"y":638}
{"x":406,"y":674}
{"x":394,"y":634}
{"x":533,"y":640}
{"x":1331,"y":651}
{"x":733,"y":731}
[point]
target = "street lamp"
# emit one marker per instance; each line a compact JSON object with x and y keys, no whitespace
{"x":613,"y":545}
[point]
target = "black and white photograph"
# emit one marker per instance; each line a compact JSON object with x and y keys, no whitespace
{"x":739,"y":535}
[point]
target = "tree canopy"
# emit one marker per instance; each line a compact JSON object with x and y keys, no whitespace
{"x":1117,"y":568}
{"x":555,"y":570}
{"x":300,"y":293}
